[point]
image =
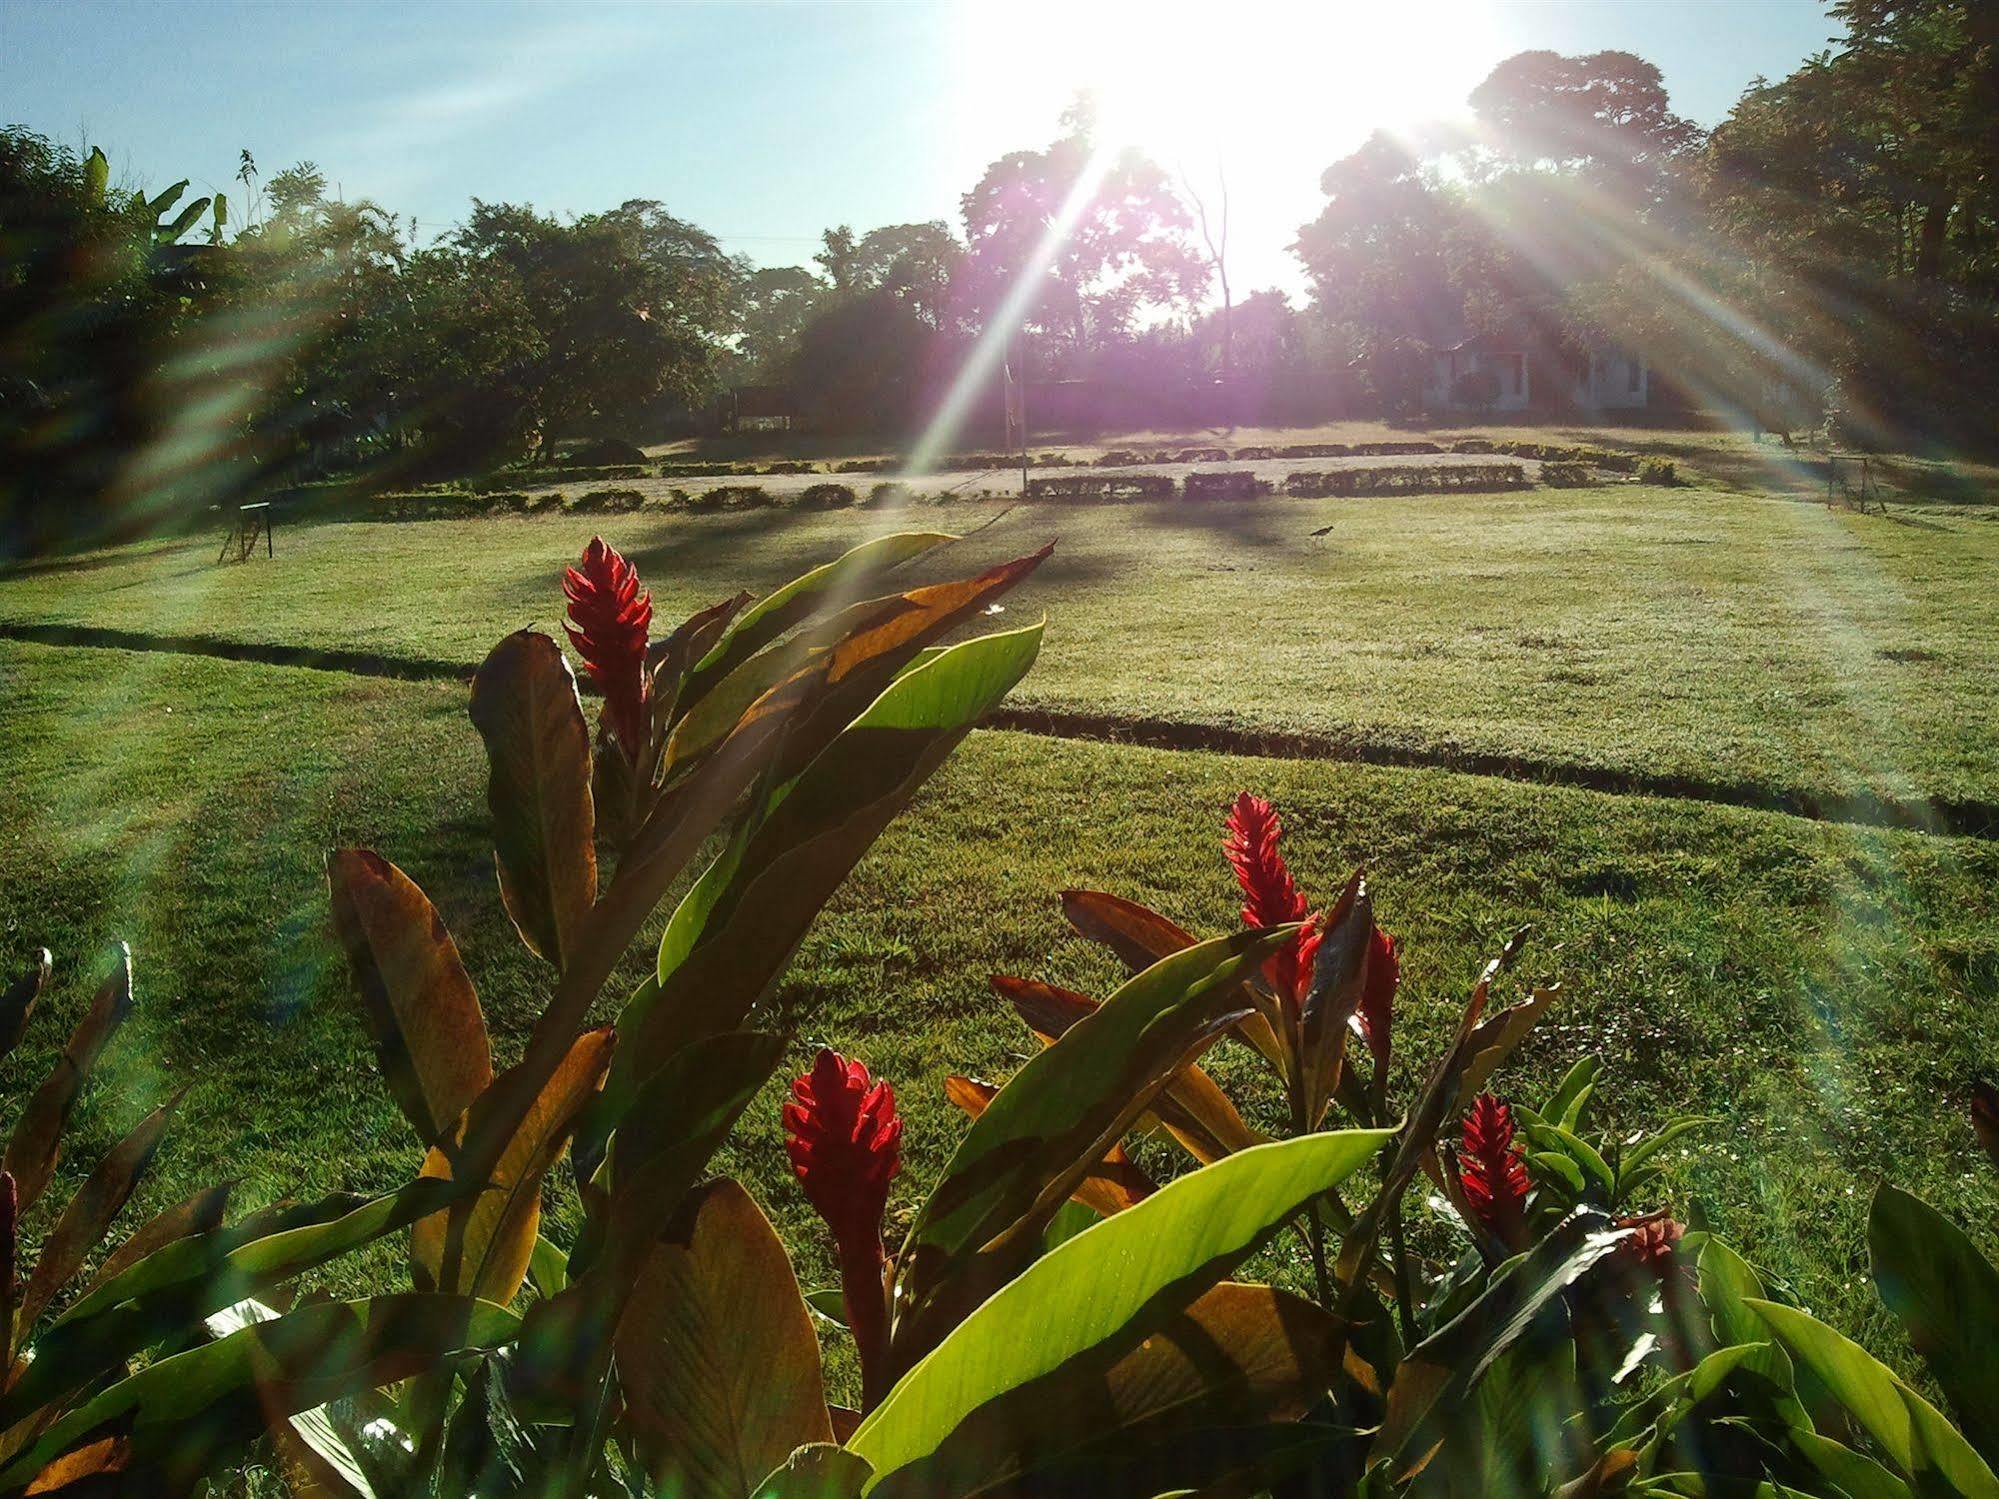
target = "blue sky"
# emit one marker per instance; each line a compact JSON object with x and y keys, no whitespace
{"x":766,"y":122}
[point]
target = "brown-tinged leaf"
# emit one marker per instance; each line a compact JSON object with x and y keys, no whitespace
{"x":716,"y":1353}
{"x":18,"y":1003}
{"x":90,"y":1213}
{"x":525,"y":707}
{"x":1492,"y":1041}
{"x":1112,"y":1185}
{"x":499,"y":1225}
{"x":72,"y":1473}
{"x":1194,"y":1109}
{"x":1140,"y":937}
{"x":198,"y":1214}
{"x":1338,"y":975}
{"x":36,"y":1144}
{"x":417,"y":1001}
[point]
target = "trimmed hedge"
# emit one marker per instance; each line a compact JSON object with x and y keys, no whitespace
{"x":732,"y":497}
{"x":1201,"y":455}
{"x":1657,"y":471}
{"x":1119,"y":458}
{"x":511,"y":479}
{"x":1102,"y":487}
{"x":1408,"y":478}
{"x":700,"y":470}
{"x":1254,"y":455}
{"x":1548,"y":452}
{"x":608,"y":500}
{"x":1316,"y":450}
{"x":828,"y":497}
{"x":1565,"y":475}
{"x":1238,"y":484}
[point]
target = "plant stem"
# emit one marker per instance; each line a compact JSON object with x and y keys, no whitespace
{"x":862,"y":1290}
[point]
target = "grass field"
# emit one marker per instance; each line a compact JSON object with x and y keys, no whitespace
{"x":1824,"y":990}
{"x":1740,"y":642}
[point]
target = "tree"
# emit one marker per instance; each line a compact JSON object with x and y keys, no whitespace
{"x":776,"y":304}
{"x":1606,"y":115}
{"x":861,"y":364}
{"x":1113,"y":235}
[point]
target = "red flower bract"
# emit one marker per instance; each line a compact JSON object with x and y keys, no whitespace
{"x":1270,"y":897}
{"x":609,"y":620}
{"x":845,"y":1142}
{"x":1651,"y":1244}
{"x":1491,"y":1172}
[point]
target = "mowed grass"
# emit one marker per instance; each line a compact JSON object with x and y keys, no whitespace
{"x":1739,"y":642}
{"x":1824,"y":992}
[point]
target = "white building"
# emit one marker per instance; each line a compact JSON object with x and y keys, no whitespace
{"x":1494,"y":373}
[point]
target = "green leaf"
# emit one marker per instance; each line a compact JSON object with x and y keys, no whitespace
{"x":1909,"y":1430}
{"x":1645,"y":1149}
{"x":717,"y":1357}
{"x":548,"y":1268}
{"x":186,"y":1411}
{"x":1858,"y":1475}
{"x":839,"y":581}
{"x":1554,"y":1162}
{"x":525,"y":707}
{"x":202,"y":1273}
{"x":1106,"y":1290}
{"x":1579,"y":1150}
{"x":1727,"y":1285}
{"x":1448,"y":1363}
{"x":1947,"y":1294}
{"x":183,"y":222}
{"x":1566,"y":1105}
{"x":820,"y":1471}
{"x":36,"y":1144}
{"x":96,"y":177}
{"x":734,"y":932}
{"x":1023,"y":1156}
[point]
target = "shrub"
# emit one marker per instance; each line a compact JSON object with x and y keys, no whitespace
{"x":1565,"y":475}
{"x":1237,"y":484}
{"x":1408,"y":478}
{"x":1102,"y":487}
{"x":735,"y":497}
{"x":791,"y":466}
{"x":890,"y":492}
{"x":1316,"y":450}
{"x":1254,"y":454}
{"x":1119,"y":458}
{"x":1391,"y":449}
{"x":828,"y":496}
{"x":1657,"y":471}
{"x":608,"y":500}
{"x":600,"y":451}
{"x":704,"y":469}
{"x":1473,"y":445}
{"x":863,"y":465}
{"x":1201,"y":455}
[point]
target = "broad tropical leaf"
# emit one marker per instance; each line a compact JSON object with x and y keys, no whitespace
{"x":1947,"y":1294}
{"x":421,"y":1012}
{"x":1093,"y":1300}
{"x":525,"y":706}
{"x":497,"y":1228}
{"x":36,"y":1144}
{"x":198,"y":1214}
{"x":183,"y":1413}
{"x":18,"y":1003}
{"x":717,"y":1358}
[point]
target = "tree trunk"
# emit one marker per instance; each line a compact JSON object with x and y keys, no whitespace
{"x":1930,"y":241}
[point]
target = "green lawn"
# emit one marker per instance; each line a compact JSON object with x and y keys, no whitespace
{"x":1735,"y":641}
{"x":1826,"y":992}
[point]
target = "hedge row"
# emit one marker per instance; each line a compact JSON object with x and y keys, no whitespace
{"x":1102,"y":487}
{"x":1408,"y":478}
{"x":1549,"y":452}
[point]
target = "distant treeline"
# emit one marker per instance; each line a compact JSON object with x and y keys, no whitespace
{"x":1832,"y":245}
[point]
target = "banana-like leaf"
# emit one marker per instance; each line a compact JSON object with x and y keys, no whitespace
{"x":525,"y":706}
{"x":198,"y":1214}
{"x":495,"y":1231}
{"x":1728,"y":1283}
{"x":218,"y":218}
{"x":1140,"y":937}
{"x":717,"y":1359}
{"x":96,"y":176}
{"x":733,"y":934}
{"x":816,"y":1472}
{"x":1055,"y":1119}
{"x":1910,"y":1431}
{"x":1093,"y":1300}
{"x":1238,"y":1355}
{"x":166,"y":198}
{"x":1449,"y":1363}
{"x":1111,"y":1186}
{"x":1857,"y":1475}
{"x":1193,"y":1108}
{"x":320,"y":1462}
{"x":18,"y":1003}
{"x":185,"y":1412}
{"x":1494,"y":1040}
{"x":417,"y":1000}
{"x":36,"y":1144}
{"x":200,"y":1274}
{"x":840,"y":580}
{"x":1946,"y":1293}
{"x":89,"y":1214}
{"x":183,"y":221}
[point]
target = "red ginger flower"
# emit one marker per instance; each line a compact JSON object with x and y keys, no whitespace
{"x":1270,"y":896}
{"x":845,"y":1142}
{"x":1491,"y":1172}
{"x":611,"y":618}
{"x":1651,"y":1244}
{"x":1377,"y":997}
